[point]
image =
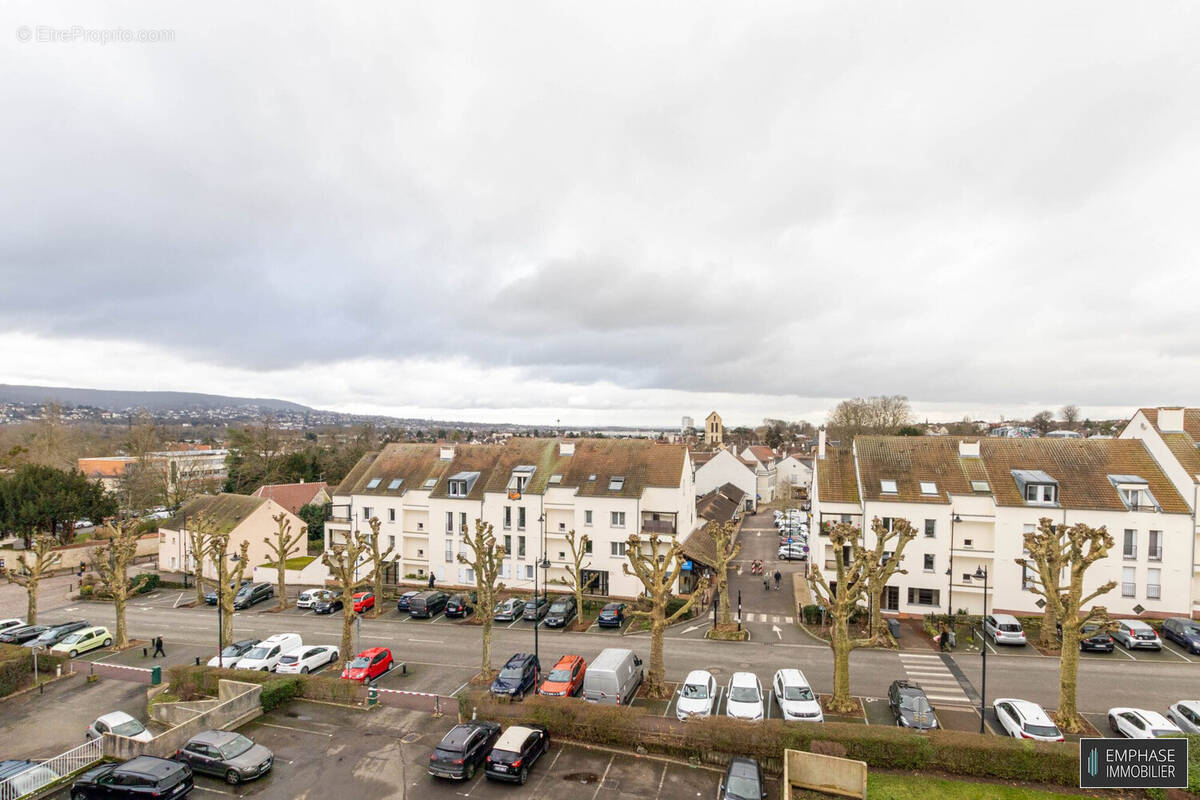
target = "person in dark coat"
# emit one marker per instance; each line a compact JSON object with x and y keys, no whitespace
{"x":158,"y":647}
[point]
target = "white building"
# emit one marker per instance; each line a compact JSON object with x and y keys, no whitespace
{"x":971,"y":501}
{"x":724,"y":467}
{"x":762,"y":460}
{"x":426,"y":495}
{"x":793,"y":472}
{"x":244,"y":518}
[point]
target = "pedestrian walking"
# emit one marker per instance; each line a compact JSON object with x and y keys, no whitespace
{"x":431,"y":579}
{"x":158,"y":647}
{"x":766,"y":583}
{"x":778,"y":578}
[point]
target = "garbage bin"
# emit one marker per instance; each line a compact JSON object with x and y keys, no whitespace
{"x":894,"y":628}
{"x":155,"y":676}
{"x":372,"y":695}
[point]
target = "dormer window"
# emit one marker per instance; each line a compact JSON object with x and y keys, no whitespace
{"x":395,"y":484}
{"x":429,"y":483}
{"x":1041,"y":493}
{"x":887,"y":487}
{"x":460,"y":483}
{"x":520,"y":477}
{"x":374,"y":483}
{"x":1036,"y":486}
{"x":457,"y":488}
{"x":616,"y":483}
{"x":928,"y":488}
{"x":1134,"y":492}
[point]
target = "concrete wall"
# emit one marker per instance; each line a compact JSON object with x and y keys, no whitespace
{"x":840,"y":776}
{"x":237,"y":703}
{"x":314,"y":574}
{"x":74,"y":555}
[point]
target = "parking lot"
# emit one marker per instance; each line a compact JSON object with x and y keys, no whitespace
{"x":1170,"y":652}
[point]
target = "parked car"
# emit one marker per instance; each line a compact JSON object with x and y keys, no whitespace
{"x":611,"y":616}
{"x":566,"y":678}
{"x":613,"y":677}
{"x":19,"y":634}
{"x":327,"y":602}
{"x":56,"y":633}
{"x":210,"y":596}
{"x":1137,"y":723}
{"x":1093,"y":637}
{"x":697,"y":695}
{"x":793,"y":553}
{"x":1022,"y":719}
{"x":83,"y":640}
{"x":508,"y":610}
{"x":363,"y":602}
{"x":518,"y":677}
{"x":743,"y":780}
{"x":306,"y":660}
{"x":536,"y":608}
{"x":428,"y":604}
{"x":1004,"y":629}
{"x":23,"y":777}
{"x":11,"y":622}
{"x":1184,"y":632}
{"x":140,"y":777}
{"x":118,"y":723}
{"x":308,"y":597}
{"x":369,"y":665}
{"x":265,"y":655}
{"x":403,"y":600}
{"x":1133,"y":633}
{"x":795,"y":696}
{"x":233,"y":653}
{"x":463,"y":750}
{"x":227,"y":754}
{"x":253,"y":593}
{"x":515,"y":752}
{"x":744,"y":700}
{"x":459,"y":605}
{"x":1186,"y":715}
{"x":562,"y":611}
{"x":910,"y":707}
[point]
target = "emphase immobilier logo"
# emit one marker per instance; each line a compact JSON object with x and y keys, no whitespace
{"x":1133,"y":763}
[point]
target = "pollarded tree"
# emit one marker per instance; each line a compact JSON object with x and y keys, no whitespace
{"x":485,"y":561}
{"x":657,"y":573}
{"x":284,"y":545}
{"x":853,"y":568}
{"x":726,"y":550}
{"x":346,"y":561}
{"x":229,"y":579}
{"x":198,"y":530}
{"x":880,"y":569}
{"x":1053,"y":549}
{"x":580,"y":546}
{"x":111,"y":562}
{"x":45,"y":558}
{"x":377,"y":560}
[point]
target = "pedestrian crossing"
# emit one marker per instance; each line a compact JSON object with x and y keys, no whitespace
{"x":754,"y":616}
{"x":935,"y":678}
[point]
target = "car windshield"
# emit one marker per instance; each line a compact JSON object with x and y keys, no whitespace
{"x":559,"y":605}
{"x":1191,"y":630}
{"x":235,"y":746}
{"x":559,"y":675}
{"x":289,"y":659}
{"x":129,"y":728}
{"x":512,"y":673}
{"x":914,"y":702}
{"x":1010,"y":627}
{"x":743,"y":788}
{"x":797,"y":693}
{"x":71,"y":638}
{"x":695,"y":691}
{"x":531,"y":604}
{"x":744,"y":694}
{"x":359,"y":662}
{"x":1041,"y":730}
{"x":257,"y":652}
{"x":48,"y":636}
{"x":231,"y":650}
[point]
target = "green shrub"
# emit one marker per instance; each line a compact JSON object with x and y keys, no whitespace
{"x":16,"y":666}
{"x":146,"y":582}
{"x":86,"y":592}
{"x":277,"y":692}
{"x":812,"y":614}
{"x":191,"y":682}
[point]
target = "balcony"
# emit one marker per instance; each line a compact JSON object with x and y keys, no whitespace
{"x":658,"y":526}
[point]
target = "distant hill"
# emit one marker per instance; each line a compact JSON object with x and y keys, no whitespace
{"x":150,"y":401}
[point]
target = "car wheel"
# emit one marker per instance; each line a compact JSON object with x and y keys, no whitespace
{"x":470,"y":771}
{"x":108,"y":642}
{"x":524,"y":776}
{"x":1112,"y":724}
{"x":73,"y":653}
{"x":304,"y":670}
{"x":232,"y":777}
{"x":78,"y":794}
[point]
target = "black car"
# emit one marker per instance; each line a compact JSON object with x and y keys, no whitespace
{"x":253,"y":593}
{"x":227,"y":754}
{"x":23,"y":633}
{"x":517,"y":749}
{"x":427,"y":604}
{"x":404,"y":599}
{"x":562,"y":611}
{"x":910,"y":706}
{"x":1184,"y":632}
{"x":459,"y":605}
{"x":210,"y":597}
{"x":55,"y":633}
{"x":611,"y":616}
{"x":518,"y":676}
{"x":462,"y":751}
{"x":743,"y":780}
{"x":1093,"y":637}
{"x":536,"y":608}
{"x":141,"y":777}
{"x":327,"y":603}
{"x":233,"y":652}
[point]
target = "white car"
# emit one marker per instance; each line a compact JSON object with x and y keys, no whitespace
{"x":1137,"y":723}
{"x":1004,"y":629}
{"x":307,"y":659}
{"x":1186,"y":715}
{"x":1022,"y":719}
{"x":697,"y":695}
{"x":744,"y":700}
{"x":5,"y":624}
{"x":118,"y":723}
{"x":308,"y":598}
{"x":795,"y":696}
{"x":266,"y":654}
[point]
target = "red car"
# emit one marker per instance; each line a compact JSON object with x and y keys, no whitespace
{"x":364,"y":601}
{"x":368,"y":665}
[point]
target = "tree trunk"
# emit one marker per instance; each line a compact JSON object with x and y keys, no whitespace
{"x":655,"y":681}
{"x":31,"y":589}
{"x":1068,"y":671}
{"x":120,"y":637}
{"x":283,"y":586}
{"x":347,"y":650}
{"x":198,"y":575}
{"x":1049,"y":635}
{"x":578,"y":600}
{"x":724,"y":615}
{"x":485,"y":661}
{"x":840,"y":643}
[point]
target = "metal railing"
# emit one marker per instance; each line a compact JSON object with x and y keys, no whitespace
{"x":62,"y":765}
{"x":1153,"y":591}
{"x":1128,"y":590}
{"x":658,"y":526}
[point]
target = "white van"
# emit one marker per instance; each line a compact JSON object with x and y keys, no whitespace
{"x":613,"y":677}
{"x":266,"y":654}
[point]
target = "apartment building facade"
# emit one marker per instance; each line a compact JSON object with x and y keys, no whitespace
{"x":532,"y":491}
{"x":972,"y":500}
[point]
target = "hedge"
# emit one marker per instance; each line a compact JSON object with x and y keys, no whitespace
{"x":952,"y":752}
{"x":190,"y":683}
{"x":16,"y":666}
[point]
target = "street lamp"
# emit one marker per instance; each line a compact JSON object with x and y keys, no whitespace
{"x":222,"y":578}
{"x":980,"y":572}
{"x":537,"y":620}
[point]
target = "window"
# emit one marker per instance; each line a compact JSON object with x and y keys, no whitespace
{"x":1046,"y":493}
{"x":1153,"y":584}
{"x":928,"y":487}
{"x":457,"y":488}
{"x":449,"y":522}
{"x":887,"y":487}
{"x":520,"y":518}
{"x":395,"y":484}
{"x":469,"y":573}
{"x":373,"y":483}
{"x":1129,"y":582}
{"x":555,"y":479}
{"x":888,"y":523}
{"x":923,"y":597}
{"x":520,"y":547}
{"x":929,"y":562}
{"x":1130,"y":549}
{"x":508,"y":516}
{"x":449,"y":550}
{"x":980,"y":486}
{"x":930,"y":528}
{"x":529,"y":571}
{"x":420,"y":526}
{"x":462,"y":521}
{"x":968,"y":544}
{"x":508,"y":544}
{"x":616,"y":483}
{"x":587,"y":547}
{"x":392,"y":542}
{"x":366,"y":512}
{"x":891,"y":598}
{"x":391,"y":515}
{"x":1154,"y":552}
{"x":587,"y":517}
{"x":429,"y":483}
{"x":562,"y":526}
{"x":618,"y":519}
{"x":618,"y":549}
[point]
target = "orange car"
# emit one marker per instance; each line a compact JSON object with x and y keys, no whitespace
{"x":566,"y":679}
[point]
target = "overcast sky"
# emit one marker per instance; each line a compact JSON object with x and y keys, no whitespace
{"x":606,"y":212}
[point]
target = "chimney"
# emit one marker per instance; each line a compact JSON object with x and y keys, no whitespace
{"x":1170,"y":420}
{"x":446,"y":453}
{"x":566,"y":448}
{"x":821,"y":443}
{"x":968,"y":449}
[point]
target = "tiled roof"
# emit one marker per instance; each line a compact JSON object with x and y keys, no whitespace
{"x":223,"y":512}
{"x":1191,"y":420}
{"x":291,"y":495}
{"x":763,"y":453}
{"x":721,"y":504}
{"x":909,"y":461}
{"x":1183,"y":446}
{"x":836,"y":481}
{"x":104,"y":467}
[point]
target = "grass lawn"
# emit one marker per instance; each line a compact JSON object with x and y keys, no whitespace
{"x":297,"y":563}
{"x":903,"y":787}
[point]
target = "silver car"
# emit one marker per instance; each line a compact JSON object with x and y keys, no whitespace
{"x":1004,"y":629}
{"x":227,"y":754}
{"x":1186,"y":715}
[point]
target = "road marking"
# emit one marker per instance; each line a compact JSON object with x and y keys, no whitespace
{"x":779,"y":633}
{"x":459,"y":689}
{"x":290,"y":728}
{"x":918,"y":655}
{"x":1181,"y":655}
{"x":661,"y":778}
{"x":1124,"y":652}
{"x":514,"y":622}
{"x":693,"y":628}
{"x":214,"y":791}
{"x":600,"y":783}
{"x":426,"y":641}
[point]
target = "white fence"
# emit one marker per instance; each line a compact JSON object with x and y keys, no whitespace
{"x":41,"y":774}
